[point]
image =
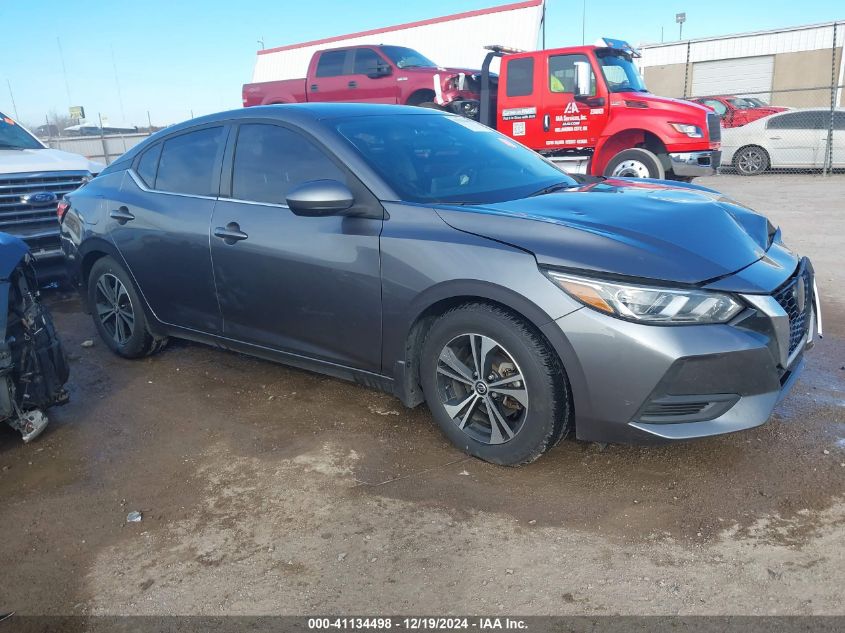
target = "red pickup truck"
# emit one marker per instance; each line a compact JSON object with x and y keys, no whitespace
{"x":737,"y":111}
{"x":375,"y":74}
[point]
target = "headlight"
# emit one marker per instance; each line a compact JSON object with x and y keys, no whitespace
{"x":693,"y":131}
{"x":648,"y":304}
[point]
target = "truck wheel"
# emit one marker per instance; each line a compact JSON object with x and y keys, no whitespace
{"x":635,"y":163}
{"x":751,"y":160}
{"x":493,"y":385}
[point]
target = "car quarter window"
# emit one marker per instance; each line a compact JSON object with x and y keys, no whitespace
{"x":366,"y":61}
{"x":187,"y":162}
{"x":331,"y":63}
{"x":148,"y":165}
{"x":271,"y":160}
{"x":520,"y":82}
{"x":812,"y":120}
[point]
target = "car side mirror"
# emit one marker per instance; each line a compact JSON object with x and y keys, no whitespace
{"x":583,"y":75}
{"x":380,"y":70}
{"x":318,"y":198}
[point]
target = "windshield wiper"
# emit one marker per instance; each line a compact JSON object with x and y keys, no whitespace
{"x":7,"y":146}
{"x":552,"y":188}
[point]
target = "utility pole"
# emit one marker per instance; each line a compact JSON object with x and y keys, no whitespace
{"x":543,"y":27}
{"x":583,"y":22}
{"x":64,"y":70}
{"x":12,"y":96}
{"x":680,"y":18}
{"x":117,"y":83}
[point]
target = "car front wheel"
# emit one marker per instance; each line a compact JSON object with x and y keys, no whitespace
{"x":493,"y":385}
{"x":635,"y":163}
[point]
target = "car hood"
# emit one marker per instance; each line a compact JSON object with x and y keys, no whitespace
{"x":15,"y":161}
{"x":639,"y":228}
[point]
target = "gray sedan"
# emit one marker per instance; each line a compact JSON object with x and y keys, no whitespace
{"x":431,"y":257}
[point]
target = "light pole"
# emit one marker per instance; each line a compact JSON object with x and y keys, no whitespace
{"x":680,"y":18}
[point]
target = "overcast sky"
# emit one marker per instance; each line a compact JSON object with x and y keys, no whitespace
{"x":174,"y":57}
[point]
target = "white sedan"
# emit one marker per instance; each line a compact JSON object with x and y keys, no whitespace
{"x":795,"y":139}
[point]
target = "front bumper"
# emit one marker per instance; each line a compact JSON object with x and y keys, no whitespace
{"x":693,"y":164}
{"x":634,"y":383}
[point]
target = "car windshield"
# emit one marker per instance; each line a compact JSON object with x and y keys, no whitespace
{"x":13,"y":136}
{"x":619,"y":72}
{"x":407,"y":57}
{"x":449,"y":159}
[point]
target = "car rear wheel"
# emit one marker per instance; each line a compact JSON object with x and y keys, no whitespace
{"x":751,"y":160}
{"x":493,"y":385}
{"x":117,"y":312}
{"x":635,"y":163}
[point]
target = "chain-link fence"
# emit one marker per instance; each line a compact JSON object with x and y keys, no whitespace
{"x":780,"y":131}
{"x":96,"y":138}
{"x":779,"y":94}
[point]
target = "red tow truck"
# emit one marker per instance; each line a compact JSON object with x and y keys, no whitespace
{"x":587,"y":108}
{"x":373,"y":74}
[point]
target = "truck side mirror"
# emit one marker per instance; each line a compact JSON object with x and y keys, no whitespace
{"x":583,"y":78}
{"x":379,"y":70}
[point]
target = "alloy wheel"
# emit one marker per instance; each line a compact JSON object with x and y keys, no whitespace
{"x":751,"y":161}
{"x":631,"y":169}
{"x":482,"y":388}
{"x":114,"y":308}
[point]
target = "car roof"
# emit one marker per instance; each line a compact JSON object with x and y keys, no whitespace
{"x":295,"y":113}
{"x":303,"y":111}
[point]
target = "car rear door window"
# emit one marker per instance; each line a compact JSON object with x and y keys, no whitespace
{"x":148,"y":165}
{"x":331,"y":63}
{"x":811,"y":120}
{"x":520,"y":81}
{"x":271,"y":160}
{"x":188,"y":161}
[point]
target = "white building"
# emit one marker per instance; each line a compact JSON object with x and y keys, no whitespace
{"x":453,"y":40}
{"x":791,"y":66}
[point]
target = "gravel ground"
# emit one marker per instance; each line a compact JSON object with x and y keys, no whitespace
{"x":267,"y":490}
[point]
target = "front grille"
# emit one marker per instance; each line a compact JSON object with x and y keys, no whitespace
{"x":714,"y":126}
{"x":796,"y":298}
{"x":33,"y":222}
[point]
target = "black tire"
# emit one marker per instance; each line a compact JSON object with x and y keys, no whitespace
{"x":128,"y":339}
{"x":752,"y":160}
{"x":547,"y":414}
{"x":635,"y":163}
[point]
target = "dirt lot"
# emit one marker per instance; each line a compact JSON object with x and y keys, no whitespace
{"x":270,"y":490}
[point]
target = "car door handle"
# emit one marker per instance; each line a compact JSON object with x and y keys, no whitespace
{"x":314,"y":87}
{"x":774,"y":138}
{"x":547,"y":120}
{"x":352,"y":84}
{"x":231,"y":233}
{"x":122,"y":215}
